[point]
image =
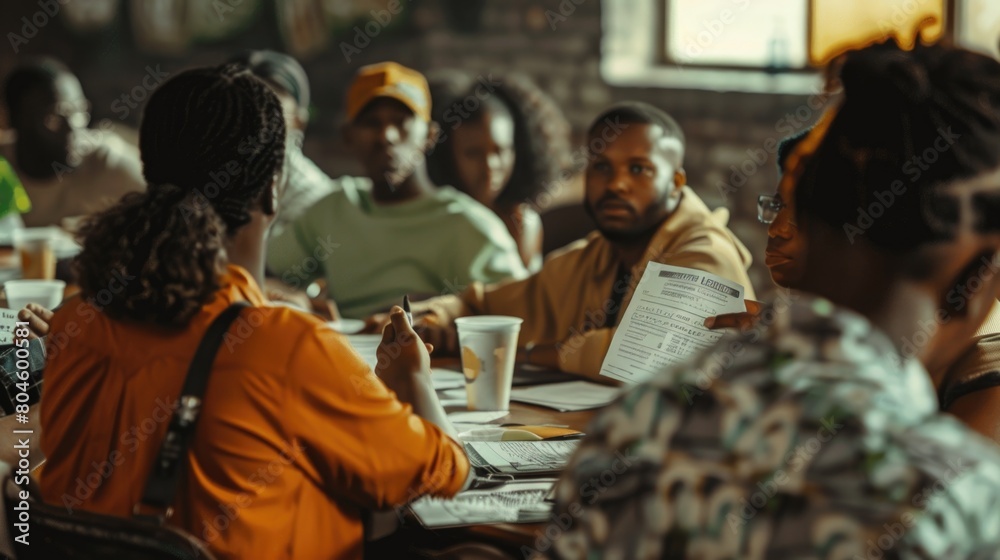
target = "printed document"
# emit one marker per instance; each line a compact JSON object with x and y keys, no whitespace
{"x":520,"y":457}
{"x":514,"y":502}
{"x":664,"y":323}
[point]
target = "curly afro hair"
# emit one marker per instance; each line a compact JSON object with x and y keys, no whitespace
{"x":541,"y":136}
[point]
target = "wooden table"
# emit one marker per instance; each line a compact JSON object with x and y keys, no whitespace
{"x":506,"y":536}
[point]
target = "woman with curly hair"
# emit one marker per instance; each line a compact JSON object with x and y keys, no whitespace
{"x":297,"y":437}
{"x":503,"y":153}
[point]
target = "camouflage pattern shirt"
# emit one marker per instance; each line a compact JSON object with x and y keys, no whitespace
{"x":810,"y":437}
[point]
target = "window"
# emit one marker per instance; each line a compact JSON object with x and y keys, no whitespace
{"x":784,"y":34}
{"x":769,"y":46}
{"x":979,"y":25}
{"x":743,"y":33}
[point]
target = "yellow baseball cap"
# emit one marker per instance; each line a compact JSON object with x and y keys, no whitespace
{"x":395,"y":81}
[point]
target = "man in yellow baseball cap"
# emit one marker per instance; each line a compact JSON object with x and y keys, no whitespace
{"x":394,"y":232}
{"x":392,"y":81}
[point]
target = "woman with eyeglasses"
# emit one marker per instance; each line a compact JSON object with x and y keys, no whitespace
{"x":965,"y":386}
{"x":786,"y":247}
{"x":785,"y":255}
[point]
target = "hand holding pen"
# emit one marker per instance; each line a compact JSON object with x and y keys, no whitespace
{"x":406,"y":309}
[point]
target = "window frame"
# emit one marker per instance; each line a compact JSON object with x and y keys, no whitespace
{"x":662,"y":51}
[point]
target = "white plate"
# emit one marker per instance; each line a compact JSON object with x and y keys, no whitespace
{"x":347,"y":326}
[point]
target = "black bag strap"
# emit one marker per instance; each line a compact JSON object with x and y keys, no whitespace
{"x":161,"y":486}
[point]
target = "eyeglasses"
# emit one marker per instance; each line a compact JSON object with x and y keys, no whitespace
{"x":76,"y":114}
{"x":768,"y":207}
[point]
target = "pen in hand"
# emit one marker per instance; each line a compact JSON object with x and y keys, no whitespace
{"x":406,"y":309}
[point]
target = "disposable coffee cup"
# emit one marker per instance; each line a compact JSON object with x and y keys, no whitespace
{"x":36,"y":247}
{"x":47,"y":293}
{"x":489,"y":347}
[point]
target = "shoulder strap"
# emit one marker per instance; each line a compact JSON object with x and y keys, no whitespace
{"x":161,"y":486}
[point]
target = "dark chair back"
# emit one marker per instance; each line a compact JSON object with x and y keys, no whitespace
{"x":563,"y":225}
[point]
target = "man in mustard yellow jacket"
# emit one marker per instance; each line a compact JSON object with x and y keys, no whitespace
{"x":637,"y":195}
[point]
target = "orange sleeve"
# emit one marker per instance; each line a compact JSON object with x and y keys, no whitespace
{"x":357,"y":440}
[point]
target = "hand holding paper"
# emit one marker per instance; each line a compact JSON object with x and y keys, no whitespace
{"x":664,"y":323}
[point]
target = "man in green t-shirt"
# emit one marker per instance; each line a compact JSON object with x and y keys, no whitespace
{"x":393,"y":232}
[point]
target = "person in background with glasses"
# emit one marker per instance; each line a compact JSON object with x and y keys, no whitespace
{"x":786,"y":247}
{"x":66,"y":169}
{"x":785,"y":255}
{"x":819,"y":434}
{"x":967,"y":387}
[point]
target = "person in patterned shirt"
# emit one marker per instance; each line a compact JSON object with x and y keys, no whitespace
{"x":816,"y":434}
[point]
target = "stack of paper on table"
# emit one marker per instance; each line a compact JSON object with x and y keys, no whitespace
{"x":522,"y":500}
{"x":520,"y":458}
{"x":514,"y":502}
{"x":565,"y":397}
{"x":663,"y":324}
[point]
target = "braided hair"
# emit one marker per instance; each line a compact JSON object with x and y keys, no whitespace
{"x":910,"y":122}
{"x":541,"y":139}
{"x":212,"y":143}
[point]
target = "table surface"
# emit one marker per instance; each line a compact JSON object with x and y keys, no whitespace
{"x":512,"y":535}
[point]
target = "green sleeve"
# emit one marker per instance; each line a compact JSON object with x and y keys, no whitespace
{"x":496,"y":262}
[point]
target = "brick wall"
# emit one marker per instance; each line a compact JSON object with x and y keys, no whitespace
{"x":515,"y":35}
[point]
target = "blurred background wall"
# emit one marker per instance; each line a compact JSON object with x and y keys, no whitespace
{"x":558,"y":43}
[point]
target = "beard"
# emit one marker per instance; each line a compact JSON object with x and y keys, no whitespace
{"x":643,"y":228}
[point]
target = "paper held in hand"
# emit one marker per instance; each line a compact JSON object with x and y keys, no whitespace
{"x":664,"y":322}
{"x":8,"y":322}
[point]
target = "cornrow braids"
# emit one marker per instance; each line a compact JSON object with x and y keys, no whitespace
{"x":218,"y":132}
{"x":910,"y":123}
{"x":212,"y":143}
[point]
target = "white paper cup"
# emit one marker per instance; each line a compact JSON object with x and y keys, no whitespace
{"x":489,"y":347}
{"x":47,"y":293}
